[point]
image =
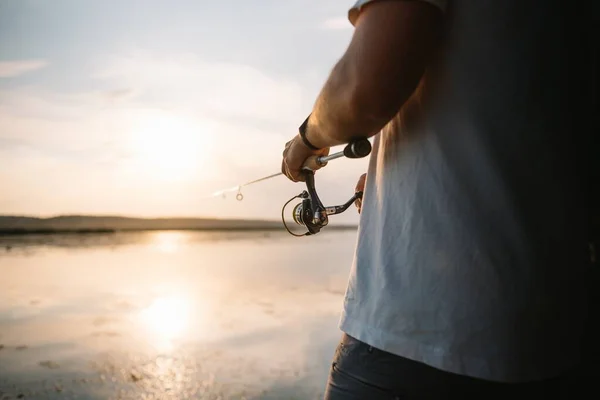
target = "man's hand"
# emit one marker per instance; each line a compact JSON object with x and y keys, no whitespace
{"x":360,"y":187}
{"x":295,"y":155}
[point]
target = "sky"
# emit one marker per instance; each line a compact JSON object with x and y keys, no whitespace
{"x":145,"y":108}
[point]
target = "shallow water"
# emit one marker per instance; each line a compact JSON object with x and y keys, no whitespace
{"x":170,"y":315}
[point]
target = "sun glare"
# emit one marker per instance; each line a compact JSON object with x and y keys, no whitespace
{"x":167,"y":241}
{"x":167,"y":319}
{"x":170,"y":147}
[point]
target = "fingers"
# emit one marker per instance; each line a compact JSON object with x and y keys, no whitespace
{"x":297,"y":157}
{"x":291,"y":174}
{"x":295,"y":175}
{"x":360,"y":185}
{"x":289,"y":161}
{"x":283,"y":163}
{"x":358,"y":204}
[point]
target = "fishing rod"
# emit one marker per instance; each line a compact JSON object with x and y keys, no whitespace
{"x":311,"y":212}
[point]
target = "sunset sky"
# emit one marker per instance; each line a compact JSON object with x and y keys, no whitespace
{"x":144,"y":108}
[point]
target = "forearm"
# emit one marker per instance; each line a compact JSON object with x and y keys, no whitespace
{"x":382,"y":66}
{"x":343,"y":112}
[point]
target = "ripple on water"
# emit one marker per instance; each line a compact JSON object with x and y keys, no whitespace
{"x":206,"y":374}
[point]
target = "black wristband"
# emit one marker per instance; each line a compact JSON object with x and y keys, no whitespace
{"x":302,"y":131}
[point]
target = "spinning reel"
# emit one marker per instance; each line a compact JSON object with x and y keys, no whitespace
{"x":311,"y":212}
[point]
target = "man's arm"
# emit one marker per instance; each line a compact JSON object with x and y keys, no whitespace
{"x":392,"y":44}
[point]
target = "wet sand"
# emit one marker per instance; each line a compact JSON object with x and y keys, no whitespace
{"x":170,"y":315}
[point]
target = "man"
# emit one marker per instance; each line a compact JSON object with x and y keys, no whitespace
{"x":471,"y":276}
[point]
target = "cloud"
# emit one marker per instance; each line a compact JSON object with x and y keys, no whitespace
{"x":219,"y":89}
{"x":336,"y":23}
{"x":10,"y":69}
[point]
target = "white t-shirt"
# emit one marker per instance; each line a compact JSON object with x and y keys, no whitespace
{"x":471,"y":255}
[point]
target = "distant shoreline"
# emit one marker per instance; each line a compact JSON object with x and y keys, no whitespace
{"x":83,"y":225}
{"x":15,"y":232}
{"x":23,"y":232}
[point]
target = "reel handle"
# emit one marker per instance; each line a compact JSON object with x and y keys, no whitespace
{"x":358,"y":148}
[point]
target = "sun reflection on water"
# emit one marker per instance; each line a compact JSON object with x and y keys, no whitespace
{"x":168,"y":242}
{"x":166,"y":319}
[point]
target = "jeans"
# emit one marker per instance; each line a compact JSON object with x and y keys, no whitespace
{"x":359,"y":371}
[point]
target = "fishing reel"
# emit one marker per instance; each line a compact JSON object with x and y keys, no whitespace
{"x":311,"y":212}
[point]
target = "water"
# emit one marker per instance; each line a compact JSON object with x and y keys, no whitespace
{"x":170,"y":315}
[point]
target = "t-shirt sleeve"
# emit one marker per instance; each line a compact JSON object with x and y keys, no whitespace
{"x":355,"y":10}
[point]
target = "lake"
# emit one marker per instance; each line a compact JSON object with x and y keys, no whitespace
{"x":170,"y":314}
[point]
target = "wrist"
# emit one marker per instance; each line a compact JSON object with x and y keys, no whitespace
{"x":303,"y":132}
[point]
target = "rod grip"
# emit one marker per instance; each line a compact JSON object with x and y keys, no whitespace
{"x":313,"y":163}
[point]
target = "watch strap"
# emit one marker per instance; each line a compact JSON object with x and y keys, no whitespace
{"x":302,"y":130}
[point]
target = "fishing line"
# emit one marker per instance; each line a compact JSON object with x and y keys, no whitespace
{"x":239,"y":196}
